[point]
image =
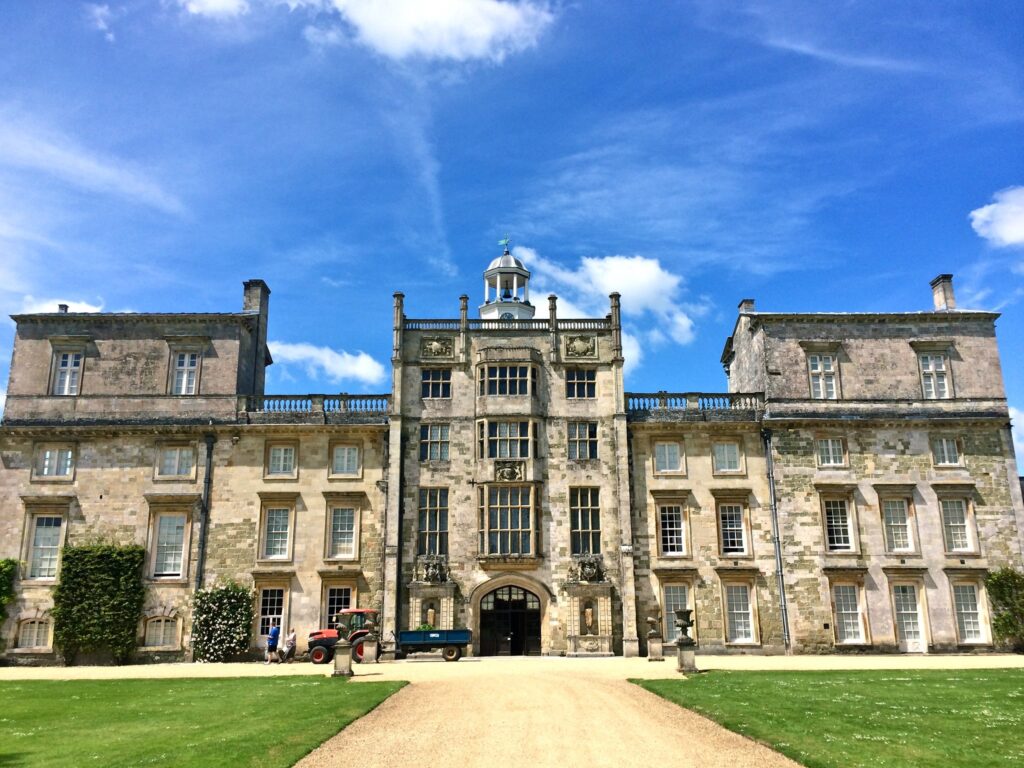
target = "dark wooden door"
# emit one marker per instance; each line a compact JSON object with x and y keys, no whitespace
{"x":510,"y":623}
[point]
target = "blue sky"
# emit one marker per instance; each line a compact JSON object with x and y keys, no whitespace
{"x":813,"y":156}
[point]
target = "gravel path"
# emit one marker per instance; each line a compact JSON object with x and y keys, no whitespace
{"x":525,"y":714}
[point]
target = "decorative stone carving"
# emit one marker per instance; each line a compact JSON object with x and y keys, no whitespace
{"x":437,"y":346}
{"x":433,"y":569}
{"x":654,"y":622}
{"x":587,"y":568}
{"x":684,"y":621}
{"x":509,"y":471}
{"x":581,"y":346}
{"x":592,"y":646}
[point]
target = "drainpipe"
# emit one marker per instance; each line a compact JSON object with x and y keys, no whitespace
{"x":204,"y":511}
{"x":766,"y":435}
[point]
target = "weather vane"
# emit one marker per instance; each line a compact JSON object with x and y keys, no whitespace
{"x":504,"y":242}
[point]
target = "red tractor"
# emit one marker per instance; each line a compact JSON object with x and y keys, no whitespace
{"x":352,"y":624}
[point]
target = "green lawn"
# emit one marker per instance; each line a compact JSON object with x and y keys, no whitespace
{"x":966,"y":719}
{"x":235,"y":722}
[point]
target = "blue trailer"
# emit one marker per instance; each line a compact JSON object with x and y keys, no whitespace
{"x":452,"y":642}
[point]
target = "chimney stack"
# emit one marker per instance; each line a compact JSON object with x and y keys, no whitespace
{"x":942,"y":293}
{"x":256,"y":298}
{"x":746,"y":305}
{"x":62,"y":308}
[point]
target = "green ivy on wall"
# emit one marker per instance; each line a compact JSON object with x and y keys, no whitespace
{"x":8,"y":570}
{"x":222,"y":620}
{"x":1006,"y":591}
{"x":97,"y":603}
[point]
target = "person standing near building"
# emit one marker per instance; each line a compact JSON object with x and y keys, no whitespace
{"x":272,"y":638}
{"x":289,"y":646}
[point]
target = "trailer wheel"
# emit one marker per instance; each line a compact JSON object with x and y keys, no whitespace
{"x":357,"y":651}
{"x":451,"y":653}
{"x":318,"y":654}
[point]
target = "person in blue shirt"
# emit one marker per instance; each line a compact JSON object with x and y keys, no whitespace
{"x":272,"y":638}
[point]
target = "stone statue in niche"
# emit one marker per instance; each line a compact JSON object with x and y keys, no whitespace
{"x":436,"y":346}
{"x":581,"y":346}
{"x":588,"y":618}
{"x":431,"y":615}
{"x":509,"y":472}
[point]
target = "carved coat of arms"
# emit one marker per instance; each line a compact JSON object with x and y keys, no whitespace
{"x":436,"y":346}
{"x":581,"y":346}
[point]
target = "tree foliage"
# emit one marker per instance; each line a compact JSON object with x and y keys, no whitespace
{"x":98,"y":601}
{"x":222,"y":620}
{"x":1006,"y":592}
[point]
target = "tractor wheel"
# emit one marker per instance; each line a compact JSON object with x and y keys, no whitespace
{"x":357,"y":651}
{"x":318,"y":654}
{"x":451,"y":653}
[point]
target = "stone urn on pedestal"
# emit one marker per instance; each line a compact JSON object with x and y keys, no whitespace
{"x":685,"y":645}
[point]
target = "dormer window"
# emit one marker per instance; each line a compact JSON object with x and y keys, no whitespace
{"x":934,"y":375}
{"x":186,"y":373}
{"x":822,"y":371}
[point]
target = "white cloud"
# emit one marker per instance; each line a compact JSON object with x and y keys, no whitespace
{"x":859,"y":61}
{"x":1002,"y":221}
{"x":217,"y":9}
{"x":31,"y":305}
{"x":35,"y":149}
{"x":100,"y":16}
{"x":1017,"y":417}
{"x":446,"y":29}
{"x":324,"y":362}
{"x":650,"y":296}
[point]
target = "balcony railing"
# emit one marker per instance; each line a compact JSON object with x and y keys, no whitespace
{"x":328,"y":407}
{"x":568,"y":324}
{"x":642,"y":405}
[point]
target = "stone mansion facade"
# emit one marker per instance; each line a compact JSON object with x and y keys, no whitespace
{"x":849,"y":492}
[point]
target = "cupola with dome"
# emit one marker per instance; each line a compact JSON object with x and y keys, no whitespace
{"x":506,"y":289}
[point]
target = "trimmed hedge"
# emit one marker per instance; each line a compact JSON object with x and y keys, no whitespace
{"x":98,"y":602}
{"x":1006,"y":592}
{"x":222,"y":620}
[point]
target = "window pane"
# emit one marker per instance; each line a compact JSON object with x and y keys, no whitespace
{"x":954,"y":525}
{"x":849,"y":627}
{"x":737,"y":602}
{"x":170,"y":540}
{"x":730,"y":518}
{"x":338,"y":599}
{"x":346,"y":460}
{"x":667,"y":457}
{"x":968,"y":617}
{"x":837,"y":525}
{"x":673,"y":540}
{"x":676,"y":596}
{"x":897,"y":525}
{"x":271,"y":609}
{"x":276,"y":540}
{"x":343,"y":532}
{"x":726,"y":457}
{"x":45,"y":547}
{"x":908,"y":620}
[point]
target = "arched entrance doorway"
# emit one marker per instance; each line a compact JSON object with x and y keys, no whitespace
{"x":510,"y":623}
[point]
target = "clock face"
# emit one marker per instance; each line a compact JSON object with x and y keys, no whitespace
{"x":507,"y":316}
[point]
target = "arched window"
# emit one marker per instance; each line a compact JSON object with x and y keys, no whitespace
{"x":34,"y":634}
{"x":161,"y":632}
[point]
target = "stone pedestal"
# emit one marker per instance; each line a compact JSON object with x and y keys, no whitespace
{"x":655,"y":649}
{"x":590,"y":645}
{"x":370,"y":645}
{"x":686,"y":659}
{"x":342,"y":659}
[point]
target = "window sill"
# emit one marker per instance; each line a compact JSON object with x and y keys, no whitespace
{"x":842,"y":553}
{"x":159,"y":648}
{"x":673,"y":473}
{"x":39,"y":582}
{"x":27,"y":651}
{"x":346,"y":560}
{"x":963,"y":555}
{"x":343,"y":478}
{"x":730,"y":473}
{"x":171,"y":581}
{"x":743,"y":643}
{"x":174,"y":478}
{"x":280,"y":478}
{"x":46,"y":479}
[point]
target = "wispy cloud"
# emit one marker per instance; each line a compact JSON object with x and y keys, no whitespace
{"x":1001,"y":222}
{"x":100,"y":16}
{"x":217,"y":9}
{"x":36,"y":149}
{"x":321,"y":363}
{"x":31,"y":305}
{"x":860,"y":61}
